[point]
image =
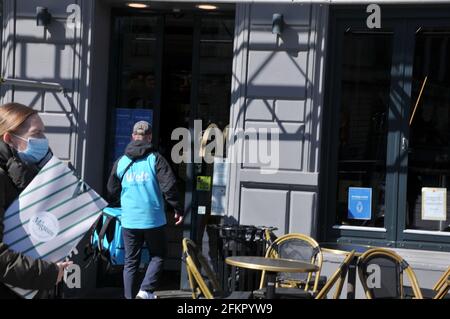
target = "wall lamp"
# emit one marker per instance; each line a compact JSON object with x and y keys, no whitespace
{"x":277,"y":23}
{"x":43,"y":17}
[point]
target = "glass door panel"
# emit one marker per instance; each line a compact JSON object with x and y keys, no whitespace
{"x":135,"y":94}
{"x":213,"y":100}
{"x":429,"y":133}
{"x":363,"y":125}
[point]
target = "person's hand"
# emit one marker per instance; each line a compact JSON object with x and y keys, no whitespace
{"x":62,"y":266}
{"x":178,"y":219}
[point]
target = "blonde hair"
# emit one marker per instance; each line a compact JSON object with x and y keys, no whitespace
{"x":12,"y":116}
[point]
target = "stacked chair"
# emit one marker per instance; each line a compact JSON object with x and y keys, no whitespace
{"x":337,"y":279}
{"x":202,"y":279}
{"x":442,"y":286}
{"x":439,"y":291}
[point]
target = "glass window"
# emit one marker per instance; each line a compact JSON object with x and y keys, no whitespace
{"x":216,"y":56}
{"x":138,"y":56}
{"x":429,"y":131}
{"x":390,"y":133}
{"x":135,"y":94}
{"x":363,"y":125}
{"x":214,"y":100}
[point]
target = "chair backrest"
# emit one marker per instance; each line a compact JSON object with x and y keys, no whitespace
{"x":296,"y":247}
{"x":443,"y":289}
{"x":441,"y":281}
{"x":269,"y":237}
{"x":337,"y":278}
{"x":381,"y":273}
{"x":200,"y":274}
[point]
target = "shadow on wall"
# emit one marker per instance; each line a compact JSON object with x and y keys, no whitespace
{"x":54,"y":54}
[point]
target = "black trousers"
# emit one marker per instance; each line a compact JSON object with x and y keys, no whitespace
{"x":134,"y":239}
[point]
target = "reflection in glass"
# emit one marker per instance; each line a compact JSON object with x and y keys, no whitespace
{"x":216,"y":56}
{"x":428,"y":154}
{"x":135,"y":79}
{"x":138,"y":56}
{"x":214,"y":94}
{"x":366,"y":76}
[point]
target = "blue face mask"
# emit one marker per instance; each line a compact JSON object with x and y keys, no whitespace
{"x":36,"y":150}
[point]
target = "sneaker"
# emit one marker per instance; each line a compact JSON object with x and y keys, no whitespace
{"x":142,"y":294}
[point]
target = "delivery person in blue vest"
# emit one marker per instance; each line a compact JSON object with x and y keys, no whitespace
{"x":146,"y":179}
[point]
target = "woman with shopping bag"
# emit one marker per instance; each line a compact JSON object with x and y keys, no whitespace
{"x":24,"y":150}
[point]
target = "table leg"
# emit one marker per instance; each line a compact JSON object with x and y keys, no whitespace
{"x":271,"y":279}
{"x":351,"y":281}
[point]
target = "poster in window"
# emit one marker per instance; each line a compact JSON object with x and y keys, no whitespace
{"x":218,"y":196}
{"x":360,"y":203}
{"x":434,"y":203}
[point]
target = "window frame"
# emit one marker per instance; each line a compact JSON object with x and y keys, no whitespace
{"x":400,"y":19}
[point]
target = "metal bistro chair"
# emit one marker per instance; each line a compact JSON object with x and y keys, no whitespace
{"x":295,"y":285}
{"x":442,"y":289}
{"x":202,"y":279}
{"x":439,"y":290}
{"x":442,"y":286}
{"x":381,"y":273}
{"x":269,"y":236}
{"x":442,"y":292}
{"x":337,"y":279}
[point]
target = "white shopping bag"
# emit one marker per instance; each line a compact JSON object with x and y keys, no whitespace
{"x":51,"y":215}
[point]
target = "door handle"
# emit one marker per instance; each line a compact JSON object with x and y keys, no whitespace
{"x":404,"y":144}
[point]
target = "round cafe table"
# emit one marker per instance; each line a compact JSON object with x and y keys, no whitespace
{"x":271,"y":266}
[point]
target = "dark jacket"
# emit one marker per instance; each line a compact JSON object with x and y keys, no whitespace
{"x":16,"y":269}
{"x":166,"y":179}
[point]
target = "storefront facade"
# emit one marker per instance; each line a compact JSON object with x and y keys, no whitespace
{"x":355,"y":107}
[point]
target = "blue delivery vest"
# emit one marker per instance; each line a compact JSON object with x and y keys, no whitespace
{"x":141,"y":198}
